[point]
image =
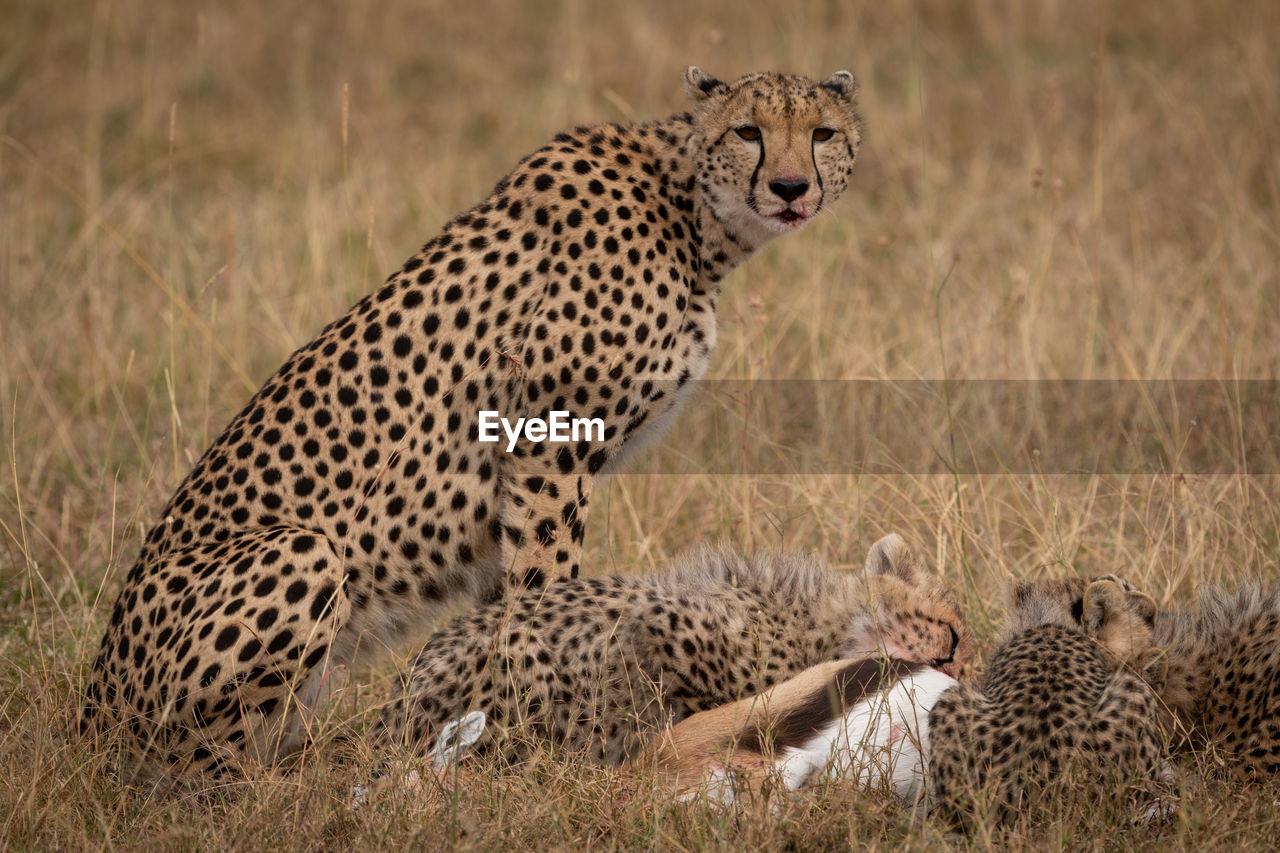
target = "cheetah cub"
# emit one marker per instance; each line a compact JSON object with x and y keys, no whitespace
{"x":599,"y":665}
{"x":1060,"y":699}
{"x":1223,"y":682}
{"x":353,"y":493}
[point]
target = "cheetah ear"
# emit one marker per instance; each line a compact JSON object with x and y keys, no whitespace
{"x":1102,"y":599}
{"x":891,"y":556}
{"x":1144,"y":605}
{"x":699,"y":85}
{"x":842,"y":84}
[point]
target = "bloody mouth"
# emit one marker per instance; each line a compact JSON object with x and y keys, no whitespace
{"x":788,"y":216}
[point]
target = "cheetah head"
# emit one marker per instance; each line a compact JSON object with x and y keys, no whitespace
{"x":771,"y":150}
{"x":1118,"y":616}
{"x":914,"y":616}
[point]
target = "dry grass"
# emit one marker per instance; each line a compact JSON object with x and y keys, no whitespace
{"x":187,"y":196}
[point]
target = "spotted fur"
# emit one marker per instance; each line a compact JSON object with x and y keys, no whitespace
{"x":599,"y":665}
{"x":1057,"y":702}
{"x":351,"y":496}
{"x":1223,"y":684}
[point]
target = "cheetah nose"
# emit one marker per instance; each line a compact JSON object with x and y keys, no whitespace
{"x":789,"y":189}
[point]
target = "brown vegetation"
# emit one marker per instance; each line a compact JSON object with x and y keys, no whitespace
{"x":1047,"y":190}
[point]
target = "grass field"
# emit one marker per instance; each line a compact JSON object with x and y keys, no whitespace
{"x":187,"y":196}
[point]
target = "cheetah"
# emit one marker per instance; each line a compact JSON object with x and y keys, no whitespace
{"x":1223,"y":680}
{"x":599,"y":665}
{"x":1065,"y":693}
{"x":352,"y":495}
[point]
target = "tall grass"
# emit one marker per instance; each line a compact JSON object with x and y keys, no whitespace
{"x":189,"y":194}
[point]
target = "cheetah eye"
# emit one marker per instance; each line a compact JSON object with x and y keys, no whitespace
{"x":749,"y":133}
{"x":822,"y":134}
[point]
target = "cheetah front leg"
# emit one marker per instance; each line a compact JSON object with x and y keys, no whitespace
{"x":546,"y":487}
{"x":543,"y":519}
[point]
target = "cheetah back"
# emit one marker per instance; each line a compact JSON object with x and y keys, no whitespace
{"x":1055,"y":703}
{"x":1223,"y":682}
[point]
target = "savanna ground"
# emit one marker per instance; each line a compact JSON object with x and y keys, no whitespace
{"x":188,"y":195}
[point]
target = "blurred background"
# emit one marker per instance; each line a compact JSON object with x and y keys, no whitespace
{"x":1065,"y":189}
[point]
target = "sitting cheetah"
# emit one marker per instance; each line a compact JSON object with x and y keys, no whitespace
{"x":602,"y":664}
{"x":352,"y":494}
{"x":1223,"y":683}
{"x":1059,"y":697}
